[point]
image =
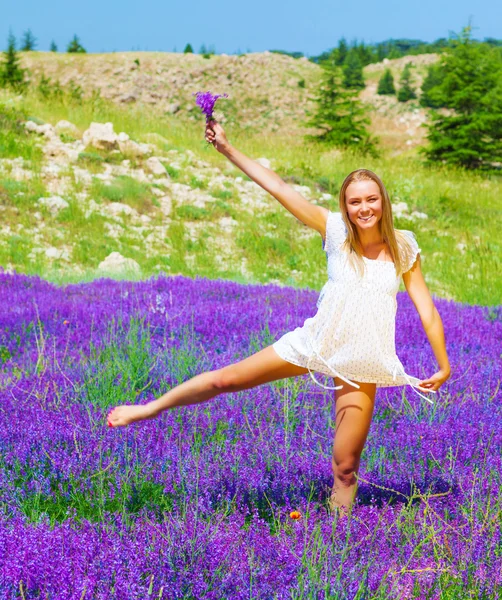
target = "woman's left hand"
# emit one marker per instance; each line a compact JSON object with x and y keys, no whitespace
{"x":435,"y":382}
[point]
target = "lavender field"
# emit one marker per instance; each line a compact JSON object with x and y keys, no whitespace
{"x":197,"y":503}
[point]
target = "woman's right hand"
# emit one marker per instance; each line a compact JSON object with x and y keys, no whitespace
{"x":215,"y":135}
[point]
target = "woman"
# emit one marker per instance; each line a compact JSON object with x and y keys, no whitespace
{"x":351,"y":337}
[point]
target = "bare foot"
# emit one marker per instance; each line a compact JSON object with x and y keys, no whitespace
{"x":337,"y":509}
{"x":127,"y":414}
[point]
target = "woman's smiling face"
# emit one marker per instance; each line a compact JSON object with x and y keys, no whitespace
{"x":363,"y":200}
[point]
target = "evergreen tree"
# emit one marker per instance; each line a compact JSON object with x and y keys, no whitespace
{"x":11,"y":74}
{"x":470,"y":135}
{"x":353,"y":71}
{"x":75,"y":45}
{"x":29,"y":41}
{"x":394,"y":53}
{"x":386,"y":83}
{"x":406,"y":92}
{"x":341,"y":52}
{"x":365,"y":53}
{"x":203,"y":49}
{"x":341,"y":117}
{"x":188,"y":49}
{"x":431,"y":88}
{"x":53,"y":47}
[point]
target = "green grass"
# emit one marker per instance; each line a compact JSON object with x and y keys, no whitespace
{"x":462,"y":207}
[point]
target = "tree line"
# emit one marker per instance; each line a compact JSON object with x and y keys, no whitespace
{"x":463,"y":90}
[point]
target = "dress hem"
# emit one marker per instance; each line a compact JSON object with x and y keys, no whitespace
{"x":355,"y":378}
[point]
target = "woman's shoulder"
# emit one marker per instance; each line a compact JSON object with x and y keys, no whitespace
{"x":408,"y":247}
{"x":336,"y":231}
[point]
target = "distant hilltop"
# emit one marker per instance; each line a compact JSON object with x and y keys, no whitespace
{"x":267,"y":91}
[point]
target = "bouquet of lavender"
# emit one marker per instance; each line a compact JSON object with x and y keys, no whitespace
{"x":206,"y":102}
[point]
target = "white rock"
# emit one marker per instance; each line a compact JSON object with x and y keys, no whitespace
{"x":154,"y":165}
{"x":227,"y":222}
{"x":54,"y":203}
{"x":418,"y":215}
{"x":46,"y":129}
{"x":56,"y":253}
{"x":166,"y":205}
{"x":101,"y":136}
{"x":31,"y":126}
{"x":114,"y":230}
{"x":67,"y":127}
{"x":264,"y":162}
{"x":116,"y":263}
{"x":117,"y":208}
{"x":326,"y":196}
{"x":133,"y":148}
{"x":461,"y":247}
{"x":122,"y":137}
{"x":399,"y":209}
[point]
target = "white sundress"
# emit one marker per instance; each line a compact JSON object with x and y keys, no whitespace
{"x":352,"y":334}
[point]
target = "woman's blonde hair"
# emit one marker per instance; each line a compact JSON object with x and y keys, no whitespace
{"x":398,"y":244}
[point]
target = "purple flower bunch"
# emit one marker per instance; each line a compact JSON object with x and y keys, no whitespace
{"x":206,"y":102}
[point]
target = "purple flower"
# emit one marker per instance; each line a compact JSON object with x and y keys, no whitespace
{"x":206,"y":102}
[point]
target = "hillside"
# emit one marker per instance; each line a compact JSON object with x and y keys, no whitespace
{"x":267,"y":91}
{"x":130,"y":189}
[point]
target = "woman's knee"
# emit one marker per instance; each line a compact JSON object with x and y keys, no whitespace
{"x":345,"y":467}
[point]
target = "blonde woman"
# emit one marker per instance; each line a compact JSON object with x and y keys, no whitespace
{"x":351,"y":336}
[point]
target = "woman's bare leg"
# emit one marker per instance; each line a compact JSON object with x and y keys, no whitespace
{"x":354,"y":410}
{"x":262,"y":367}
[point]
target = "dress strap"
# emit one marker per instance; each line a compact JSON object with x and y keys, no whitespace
{"x":334,"y":372}
{"x":399,"y":366}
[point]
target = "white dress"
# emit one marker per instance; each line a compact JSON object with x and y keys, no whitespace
{"x":352,"y":334}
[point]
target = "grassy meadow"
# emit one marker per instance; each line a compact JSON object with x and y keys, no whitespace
{"x":197,"y":504}
{"x":462,"y":207}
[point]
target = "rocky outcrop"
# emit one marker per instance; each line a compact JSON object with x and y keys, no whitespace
{"x":115,"y":264}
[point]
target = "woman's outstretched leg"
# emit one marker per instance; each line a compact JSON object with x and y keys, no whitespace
{"x":262,"y":367}
{"x":354,"y":410}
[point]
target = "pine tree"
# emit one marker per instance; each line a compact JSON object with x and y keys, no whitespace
{"x":341,"y":52}
{"x":365,"y":53}
{"x":471,"y":134}
{"x":11,"y":74}
{"x":29,"y":41}
{"x":75,"y":45}
{"x":53,"y":47}
{"x":188,"y":49}
{"x":406,"y":92}
{"x":341,"y":117}
{"x":203,"y":49}
{"x":353,"y":71}
{"x":386,"y":83}
{"x":431,"y":88}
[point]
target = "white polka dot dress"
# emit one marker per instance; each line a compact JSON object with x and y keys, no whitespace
{"x":352,"y":334}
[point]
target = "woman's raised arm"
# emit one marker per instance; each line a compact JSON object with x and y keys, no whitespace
{"x":311,"y":215}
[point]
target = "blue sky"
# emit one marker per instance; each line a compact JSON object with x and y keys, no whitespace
{"x":230,"y":26}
